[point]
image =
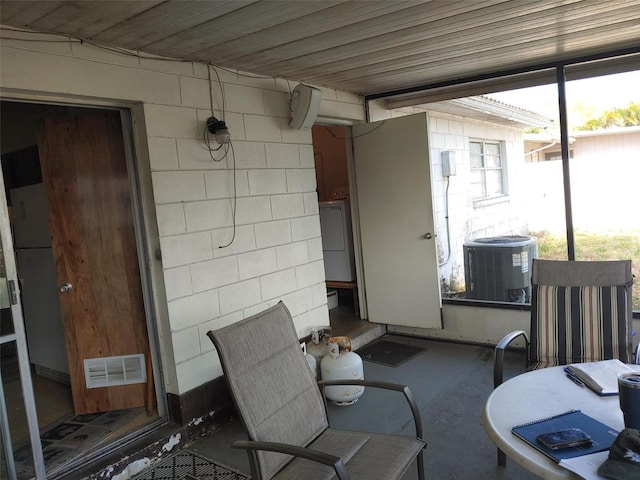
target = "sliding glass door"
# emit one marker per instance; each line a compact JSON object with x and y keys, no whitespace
{"x":21,"y":447}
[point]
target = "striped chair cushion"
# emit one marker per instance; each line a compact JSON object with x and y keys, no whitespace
{"x":578,"y":324}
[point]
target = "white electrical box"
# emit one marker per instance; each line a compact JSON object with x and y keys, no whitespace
{"x":448,"y":158}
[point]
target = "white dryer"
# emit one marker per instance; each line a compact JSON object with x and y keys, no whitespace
{"x":337,"y":240}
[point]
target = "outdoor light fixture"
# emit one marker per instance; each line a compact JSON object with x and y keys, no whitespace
{"x":219,"y":129}
{"x":305,"y":105}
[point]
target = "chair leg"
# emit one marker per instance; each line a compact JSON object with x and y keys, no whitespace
{"x":502,"y":458}
{"x":420,"y":461}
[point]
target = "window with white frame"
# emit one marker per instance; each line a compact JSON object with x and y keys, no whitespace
{"x":487,"y":169}
{"x":550,"y":156}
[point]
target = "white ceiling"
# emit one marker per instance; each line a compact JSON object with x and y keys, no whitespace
{"x":363,"y":46}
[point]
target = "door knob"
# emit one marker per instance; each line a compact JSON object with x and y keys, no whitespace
{"x":427,"y":236}
{"x":66,"y":287}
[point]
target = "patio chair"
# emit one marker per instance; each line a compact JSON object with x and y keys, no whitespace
{"x":285,"y":415}
{"x":580,"y":312}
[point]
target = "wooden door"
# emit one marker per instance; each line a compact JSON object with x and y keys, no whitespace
{"x":393,"y":180}
{"x":92,"y":233}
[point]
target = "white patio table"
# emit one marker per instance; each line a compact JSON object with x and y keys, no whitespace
{"x":540,"y":394}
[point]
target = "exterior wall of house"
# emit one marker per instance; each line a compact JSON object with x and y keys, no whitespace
{"x":277,"y":250}
{"x":603,"y":168}
{"x":468,"y":219}
{"x":471,"y":219}
{"x":537,"y":151}
{"x":604,"y":145}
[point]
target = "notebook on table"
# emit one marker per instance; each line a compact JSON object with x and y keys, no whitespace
{"x":601,"y":377}
{"x":602,"y":436}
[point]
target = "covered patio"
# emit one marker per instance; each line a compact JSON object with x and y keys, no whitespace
{"x":450,"y":399}
{"x":222,"y":227}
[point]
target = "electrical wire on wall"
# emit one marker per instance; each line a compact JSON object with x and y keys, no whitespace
{"x":354,"y":136}
{"x":214,"y":127}
{"x":318,"y":158}
{"x":446,"y":217}
{"x":235,"y":200}
{"x":218,"y":129}
{"x":122,"y":51}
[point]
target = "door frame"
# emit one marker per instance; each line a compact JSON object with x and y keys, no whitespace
{"x":355,"y":224}
{"x":355,"y":208}
{"x":145,"y":227}
{"x":20,"y":338}
{"x":355,"y":213}
{"x":147,"y":243}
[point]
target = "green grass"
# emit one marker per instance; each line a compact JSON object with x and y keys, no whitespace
{"x":596,"y":246}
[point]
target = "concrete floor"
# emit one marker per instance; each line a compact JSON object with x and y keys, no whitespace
{"x":450,"y":382}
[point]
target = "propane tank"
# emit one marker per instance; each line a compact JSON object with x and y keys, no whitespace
{"x":311,"y":360}
{"x":342,"y":364}
{"x":317,"y":347}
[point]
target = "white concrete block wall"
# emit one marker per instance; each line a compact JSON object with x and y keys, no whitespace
{"x":469,"y":219}
{"x":274,"y":183}
{"x":267,"y":180}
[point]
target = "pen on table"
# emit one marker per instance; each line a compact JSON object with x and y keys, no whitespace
{"x":575,"y":380}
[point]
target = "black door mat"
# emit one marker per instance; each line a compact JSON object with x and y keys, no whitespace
{"x":386,"y":352}
{"x":188,"y":465}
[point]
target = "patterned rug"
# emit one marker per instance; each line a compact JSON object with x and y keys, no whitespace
{"x":188,"y":465}
{"x":70,"y":437}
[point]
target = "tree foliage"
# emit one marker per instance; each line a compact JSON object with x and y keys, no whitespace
{"x":616,"y":117}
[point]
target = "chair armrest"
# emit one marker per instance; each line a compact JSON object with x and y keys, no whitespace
{"x":297,"y":451}
{"x":498,"y":359}
{"x":408,"y":395}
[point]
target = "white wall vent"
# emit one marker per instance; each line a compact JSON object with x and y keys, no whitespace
{"x":112,"y":371}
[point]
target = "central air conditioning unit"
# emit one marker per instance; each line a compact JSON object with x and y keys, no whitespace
{"x":499,"y":268}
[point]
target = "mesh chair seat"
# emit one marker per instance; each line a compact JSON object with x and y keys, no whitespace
{"x":366,"y":456}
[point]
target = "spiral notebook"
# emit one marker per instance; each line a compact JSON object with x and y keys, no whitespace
{"x":602,"y":436}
